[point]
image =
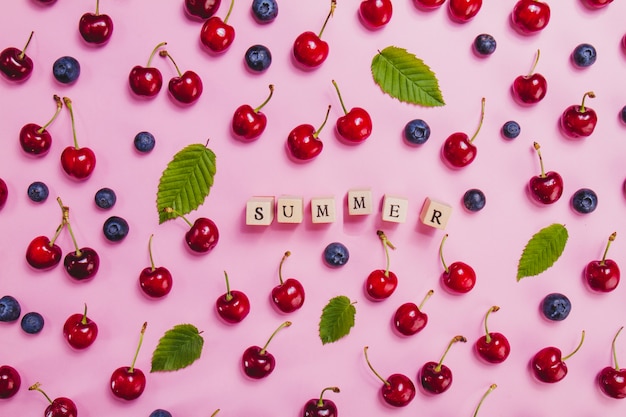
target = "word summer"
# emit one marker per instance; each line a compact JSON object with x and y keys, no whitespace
{"x":263,"y":210}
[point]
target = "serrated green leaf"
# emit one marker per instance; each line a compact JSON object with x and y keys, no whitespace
{"x":337,"y":319}
{"x":542,"y":251}
{"x":178,"y":348}
{"x":405,"y":77}
{"x":186,"y":181}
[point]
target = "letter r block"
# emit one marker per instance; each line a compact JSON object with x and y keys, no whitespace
{"x":435,"y":214}
{"x":260,"y":211}
{"x":395,"y":209}
{"x":289,"y":209}
{"x":360,"y":202}
{"x":323,"y":210}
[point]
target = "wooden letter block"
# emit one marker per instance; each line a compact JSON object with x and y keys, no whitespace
{"x":289,"y":209}
{"x":360,"y":202}
{"x":260,"y":211}
{"x":395,"y":209}
{"x":323,"y":210}
{"x":435,"y":214}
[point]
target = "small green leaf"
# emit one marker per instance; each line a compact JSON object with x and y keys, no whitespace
{"x":542,"y":251}
{"x":178,"y":348}
{"x":186,"y":181}
{"x":405,"y":77}
{"x":337,"y":319}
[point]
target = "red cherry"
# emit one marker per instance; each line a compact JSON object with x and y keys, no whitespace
{"x":603,"y":275}
{"x":457,"y":278}
{"x":4,"y":193}
{"x":493,"y":347}
{"x":579,"y":121}
{"x":96,"y":28}
{"x":303,"y":141}
{"x":36,"y":140}
{"x":462,"y":11}
{"x":428,"y":4}
{"x":435,"y":377}
{"x":128,"y":382}
{"x":321,"y":407}
{"x":146,"y":81}
{"x":42,"y":253}
{"x":77,"y":162}
{"x":60,"y":407}
{"x":381,"y":283}
{"x":79,"y":330}
{"x":248,"y":123}
{"x":309,"y":50}
{"x":355,"y":125}
{"x":203,"y":234}
{"x":15,"y":65}
{"x":547,"y":364}
{"x":233,"y":306}
{"x":375,"y":13}
{"x":10,"y":381}
{"x":257,"y":362}
{"x":216,"y":34}
{"x":409,"y":318}
{"x":398,"y":390}
{"x":530,"y":16}
{"x":201,"y":9}
{"x":531,"y":88}
{"x":289,"y":295}
{"x":458,"y":150}
{"x":547,"y":187}
{"x":596,"y":4}
{"x":187,"y":87}
{"x":612,"y":379}
{"x":155,"y":282}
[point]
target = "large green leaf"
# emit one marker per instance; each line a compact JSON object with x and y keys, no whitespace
{"x":405,"y":77}
{"x":542,"y":251}
{"x":337,"y":319}
{"x":186,"y":181}
{"x":178,"y":348}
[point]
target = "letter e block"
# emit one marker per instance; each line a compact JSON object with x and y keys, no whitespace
{"x":359,"y":202}
{"x":289,"y":209}
{"x":435,"y":214}
{"x":260,"y":211}
{"x":395,"y":209}
{"x":323,"y":210}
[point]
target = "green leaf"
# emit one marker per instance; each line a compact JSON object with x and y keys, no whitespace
{"x":178,"y":348}
{"x":337,"y":319}
{"x":186,"y":181}
{"x":405,"y":77}
{"x":542,"y":251}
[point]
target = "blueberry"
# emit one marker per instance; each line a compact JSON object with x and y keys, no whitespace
{"x":485,"y":44}
{"x":623,"y":114}
{"x":264,"y":11}
{"x":584,"y":55}
{"x":32,"y":323}
{"x":10,"y":309}
{"x":336,"y":254}
{"x":105,"y":198}
{"x":160,"y":413}
{"x":511,"y":129}
{"x":416,"y":131}
{"x":258,"y":58}
{"x":38,"y":192}
{"x":556,"y":306}
{"x":115,"y":228}
{"x":144,"y":142}
{"x":584,"y":201}
{"x":66,"y":69}
{"x":474,"y":199}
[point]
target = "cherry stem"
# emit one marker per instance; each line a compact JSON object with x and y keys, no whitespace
{"x":280,"y":267}
{"x":215,"y":412}
{"x":66,"y":221}
{"x":143,"y":330}
{"x":537,"y":147}
{"x":230,"y":9}
{"x":68,"y":104}
{"x":482,"y":117}
{"x":320,"y":402}
{"x":372,"y":368}
{"x":150,"y":253}
{"x":229,"y":296}
{"x":172,"y":211}
{"x":532,"y":69}
{"x":491,"y":388}
{"x":443,"y":262}
{"x":453,"y":341}
{"x":164,"y":53}
{"x":283,"y":325}
{"x":582,"y":338}
{"x":317,"y":132}
{"x":84,"y":319}
{"x":97,"y":7}
{"x":487,"y":335}
{"x":333,"y":4}
{"x":154,"y":51}
{"x":386,"y":244}
{"x":345,"y":111}
{"x":58,"y":231}
{"x":606,"y":249}
{"x":35,"y":387}
{"x":613,"y":349}
{"x":589,"y":94}
{"x":23,"y":53}
{"x":426,"y":297}
{"x":59,"y":103}
{"x":271,"y":87}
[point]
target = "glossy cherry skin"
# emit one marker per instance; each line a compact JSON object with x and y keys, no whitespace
{"x":458,"y":151}
{"x":78,"y":163}
{"x":80,"y":331}
{"x":233,"y":308}
{"x":40,"y":254}
{"x":216,"y":35}
{"x":82,"y":265}
{"x":128,"y":384}
{"x":612,"y":382}
{"x":61,"y":407}
{"x":399,"y":390}
{"x":14,"y":66}
{"x":460,"y":278}
{"x":201,"y":9}
{"x":355,"y":126}
{"x":462,"y":11}
{"x":379,"y":285}
{"x":602,"y":276}
{"x":10,"y":381}
{"x":309,"y":50}
{"x":433,"y":380}
{"x":187,"y":88}
{"x":95,"y":29}
{"x":155,"y":282}
{"x":145,"y":81}
{"x":428,"y":4}
{"x":409,"y":320}
{"x":313,"y":408}
{"x":546,"y":189}
{"x":248,"y":124}
{"x":34,"y":140}
{"x":596,"y":4}
{"x":576,"y":123}
{"x":530,"y":16}
{"x":257,"y":363}
{"x":288,"y":296}
{"x":494,"y":351}
{"x":547,"y":365}
{"x":303,"y":144}
{"x":529,"y":89}
{"x":4,"y":193}
{"x":202,"y":236}
{"x":375,"y":13}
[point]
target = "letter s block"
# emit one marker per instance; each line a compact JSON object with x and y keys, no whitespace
{"x":260,"y":211}
{"x":435,"y":214}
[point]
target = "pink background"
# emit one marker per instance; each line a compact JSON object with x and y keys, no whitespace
{"x":108,"y":117}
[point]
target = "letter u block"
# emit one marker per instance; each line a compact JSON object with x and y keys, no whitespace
{"x":260,"y":211}
{"x":289,"y":209}
{"x":435,"y":214}
{"x":323,"y":210}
